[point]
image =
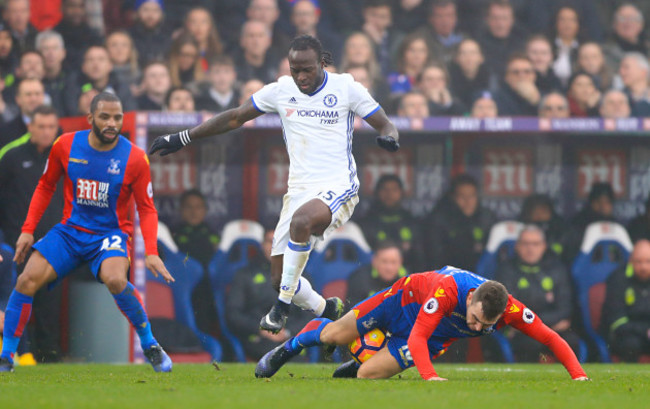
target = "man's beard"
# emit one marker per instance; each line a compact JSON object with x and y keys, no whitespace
{"x":103,"y":139}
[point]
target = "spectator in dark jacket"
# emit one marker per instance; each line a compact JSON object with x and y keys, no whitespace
{"x":156,"y":83}
{"x":583,"y":95}
{"x":518,"y":95}
{"x":434,"y":84}
{"x":385,"y":270}
{"x":639,"y":227}
{"x":149,"y":33}
{"x":539,"y":279}
{"x":221,"y":94}
{"x":50,"y":44}
{"x":250,"y":297}
{"x":388,"y":219}
{"x":538,"y":209}
{"x":502,"y":37}
{"x":16,"y":15}
{"x":468,"y":74}
{"x":77,"y":34}
{"x":30,"y":94}
{"x":540,"y":53}
{"x":627,"y":306}
{"x":457,"y":228}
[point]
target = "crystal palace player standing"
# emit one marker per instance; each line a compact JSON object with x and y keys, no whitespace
{"x":102,"y":171}
{"x":317,"y":110}
{"x":424,"y":313}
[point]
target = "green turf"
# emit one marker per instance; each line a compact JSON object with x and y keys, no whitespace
{"x":311,"y":386}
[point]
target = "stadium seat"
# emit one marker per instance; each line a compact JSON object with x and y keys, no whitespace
{"x":173,"y":302}
{"x":335,"y":258}
{"x":500,"y":245}
{"x":240,"y":241}
{"x":605,"y":248}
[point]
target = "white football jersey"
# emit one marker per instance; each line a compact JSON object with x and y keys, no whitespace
{"x":318,"y":127}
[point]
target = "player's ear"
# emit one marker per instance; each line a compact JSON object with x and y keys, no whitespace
{"x":89,"y":116}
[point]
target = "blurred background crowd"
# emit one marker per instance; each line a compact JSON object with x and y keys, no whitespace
{"x":418,"y":58}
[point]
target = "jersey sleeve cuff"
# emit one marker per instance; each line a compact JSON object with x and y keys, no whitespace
{"x":255,"y":105}
{"x":373,"y":111}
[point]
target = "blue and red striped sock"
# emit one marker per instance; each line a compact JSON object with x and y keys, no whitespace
{"x":131,"y":305}
{"x":309,"y":336}
{"x":19,"y":309}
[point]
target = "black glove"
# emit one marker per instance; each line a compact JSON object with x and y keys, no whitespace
{"x":167,"y":144}
{"x":388,"y":143}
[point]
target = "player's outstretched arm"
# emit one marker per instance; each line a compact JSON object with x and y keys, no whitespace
{"x":388,"y":136}
{"x":156,"y":266}
{"x":218,"y":124}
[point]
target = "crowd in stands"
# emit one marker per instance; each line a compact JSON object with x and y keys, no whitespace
{"x":418,"y":58}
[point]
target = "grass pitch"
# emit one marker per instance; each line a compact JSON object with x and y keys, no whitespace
{"x":311,"y":386}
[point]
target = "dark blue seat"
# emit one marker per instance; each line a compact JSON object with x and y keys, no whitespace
{"x":605,"y":248}
{"x":187,"y":272}
{"x":240,"y":241}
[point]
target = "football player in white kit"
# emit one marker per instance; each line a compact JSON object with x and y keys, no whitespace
{"x":317,"y":111}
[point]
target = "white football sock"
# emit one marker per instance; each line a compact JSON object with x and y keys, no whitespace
{"x":293,"y":263}
{"x":308,"y":299}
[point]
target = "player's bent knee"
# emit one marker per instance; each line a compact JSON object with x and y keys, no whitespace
{"x":28,"y":284}
{"x":300,"y":225}
{"x":369,"y":373}
{"x":115,"y":284}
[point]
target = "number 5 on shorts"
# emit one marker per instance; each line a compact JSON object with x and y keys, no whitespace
{"x":326,"y":196}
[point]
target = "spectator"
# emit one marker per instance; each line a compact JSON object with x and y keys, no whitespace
{"x":433,"y":83}
{"x":502,"y":38}
{"x":628,"y":35}
{"x":388,"y":219}
{"x":377,"y":88}
{"x":156,"y":83}
{"x":627,"y":306}
{"x":377,"y":22}
{"x":83,"y":103}
{"x":21,"y":165}
{"x":16,"y":15}
{"x":250,"y":296}
{"x":283,"y":68}
{"x":615,"y":105}
{"x":458,"y":226}
{"x":304,"y":17}
{"x":566,"y":39}
{"x":185,"y":64}
{"x":599,"y":207}
{"x":150,"y":36}
{"x":248,"y":89}
{"x":256,"y":59}
{"x":30,"y":66}
{"x":124,"y":58}
{"x":412,"y":57}
{"x":639,"y":227}
{"x":540,"y":53}
{"x":413,"y":105}
{"x":179,"y":99}
{"x":409,"y":14}
{"x":469,"y":76}
{"x":200,"y":25}
{"x":50,"y":44}
{"x":221,"y":95}
{"x":539,"y":279}
{"x":484,"y":107}
{"x":196,"y":239}
{"x":78,"y":36}
{"x":634,"y":73}
{"x":358,"y":51}
{"x":538,"y":209}
{"x":267,"y":13}
{"x":385,"y":269}
{"x":553,"y":105}
{"x":96,"y":72}
{"x":8,"y":52}
{"x":592,"y":61}
{"x":518,"y":94}
{"x":441,"y":31}
{"x":583,"y":95}
{"x":30,"y":94}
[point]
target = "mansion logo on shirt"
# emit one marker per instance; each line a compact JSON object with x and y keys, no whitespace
{"x":92,"y":193}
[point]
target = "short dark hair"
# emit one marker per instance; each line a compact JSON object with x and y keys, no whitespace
{"x":494,"y":298}
{"x":171,"y":91}
{"x":439,"y":4}
{"x":377,"y":3}
{"x":103,"y":96}
{"x":192,"y":192}
{"x":221,"y":59}
{"x":386,"y":244}
{"x":461,"y":180}
{"x":600,"y":189}
{"x":307,"y":42}
{"x":43,"y":110}
{"x":383,"y":179}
